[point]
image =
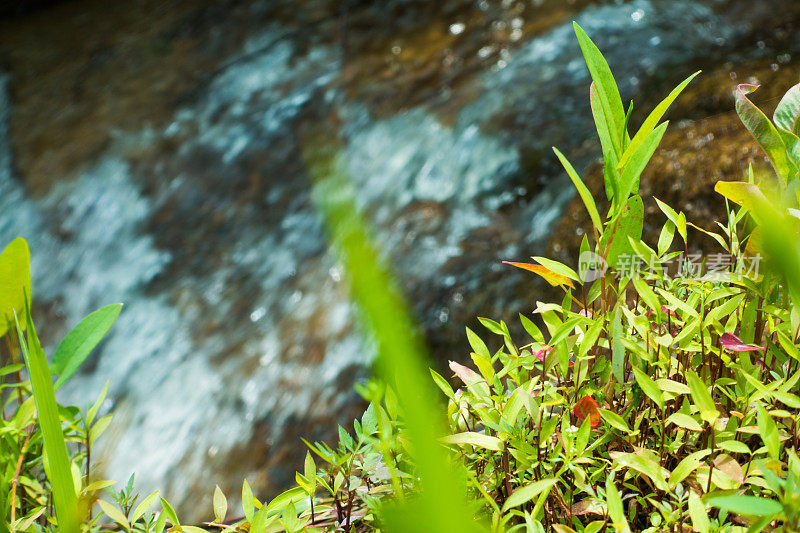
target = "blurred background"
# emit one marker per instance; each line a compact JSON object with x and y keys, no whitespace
{"x":151,"y":151}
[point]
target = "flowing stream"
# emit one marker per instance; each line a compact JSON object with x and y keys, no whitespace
{"x":237,"y":336}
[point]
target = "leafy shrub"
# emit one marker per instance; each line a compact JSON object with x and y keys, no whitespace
{"x":660,"y":394}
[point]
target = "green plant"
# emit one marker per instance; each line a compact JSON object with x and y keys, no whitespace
{"x":660,"y":394}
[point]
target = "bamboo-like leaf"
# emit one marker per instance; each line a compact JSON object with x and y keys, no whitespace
{"x":60,"y":472}
{"x":649,"y":387}
{"x":652,"y":120}
{"x":583,"y":191}
{"x":629,"y":223}
{"x":644,"y":466}
{"x":607,"y":89}
{"x":702,"y":397}
{"x":688,"y":464}
{"x":629,"y":180}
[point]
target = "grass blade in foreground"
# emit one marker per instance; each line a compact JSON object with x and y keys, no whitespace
{"x":441,"y":506}
{"x":60,"y":474}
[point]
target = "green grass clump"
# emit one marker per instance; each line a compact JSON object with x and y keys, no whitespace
{"x":660,"y":394}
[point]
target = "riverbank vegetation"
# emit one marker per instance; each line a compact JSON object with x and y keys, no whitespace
{"x":659,"y":394}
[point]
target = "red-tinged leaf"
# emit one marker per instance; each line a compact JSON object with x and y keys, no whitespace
{"x":549,"y":276}
{"x":542,"y":354}
{"x":588,"y":507}
{"x":587,"y":407}
{"x":735,"y":344}
{"x":467,"y":375}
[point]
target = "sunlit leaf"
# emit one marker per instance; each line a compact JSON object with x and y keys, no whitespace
{"x":735,"y":344}
{"x":587,"y":408}
{"x":550,"y":277}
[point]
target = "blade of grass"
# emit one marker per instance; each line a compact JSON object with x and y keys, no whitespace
{"x":60,"y":473}
{"x":441,"y":505}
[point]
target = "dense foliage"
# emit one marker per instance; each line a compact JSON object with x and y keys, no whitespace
{"x":661,"y":393}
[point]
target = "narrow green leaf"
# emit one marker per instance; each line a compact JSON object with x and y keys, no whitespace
{"x":629,"y":180}
{"x":472,"y":438}
{"x":607,"y":89}
{"x":652,"y":120}
{"x":80,"y":342}
{"x":768,"y":431}
{"x":688,"y":464}
{"x":649,"y":387}
{"x":702,"y":397}
{"x":698,"y":513}
{"x":60,"y":472}
{"x":746,"y":505}
{"x":527,"y":493}
{"x":583,"y":192}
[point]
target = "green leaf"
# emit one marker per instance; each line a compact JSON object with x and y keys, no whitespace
{"x":688,"y":464}
{"x":787,"y":114}
{"x":114,"y":514}
{"x":629,"y":180}
{"x":220,"y":505}
{"x":171,"y":514}
{"x":606,"y":86}
{"x":248,"y":502}
{"x":80,"y":342}
{"x":768,"y":431}
{"x":645,"y":466}
{"x":15,"y":283}
{"x":649,"y":387}
{"x":615,"y":509}
{"x":698,"y":513}
{"x":702,"y":398}
{"x":629,"y":223}
{"x":614,"y":420}
{"x":684,"y":421}
{"x":583,"y":192}
{"x":474,"y":439}
{"x":559,"y":268}
{"x":733,"y":446}
{"x":617,"y":348}
{"x":478,"y":346}
{"x":144,"y":506}
{"x":442,"y":384}
{"x":652,"y":120}
{"x":745,"y":505}
{"x":527,"y":493}
{"x":59,"y":472}
{"x":765,"y":133}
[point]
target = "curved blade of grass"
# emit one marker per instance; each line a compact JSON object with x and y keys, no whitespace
{"x":441,"y":503}
{"x":583,"y":191}
{"x":15,"y":282}
{"x":652,"y":121}
{"x":60,"y":474}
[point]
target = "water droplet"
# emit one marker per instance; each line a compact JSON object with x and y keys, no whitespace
{"x":655,"y":40}
{"x":396,"y":50}
{"x":258,"y":314}
{"x":637,"y":15}
{"x":457,"y":28}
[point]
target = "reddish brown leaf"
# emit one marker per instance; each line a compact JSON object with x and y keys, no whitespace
{"x":735,"y":344}
{"x":467,"y":375}
{"x":587,"y":407}
{"x":549,"y":276}
{"x":542,"y":354}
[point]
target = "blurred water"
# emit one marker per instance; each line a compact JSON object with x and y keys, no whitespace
{"x":237,"y":334}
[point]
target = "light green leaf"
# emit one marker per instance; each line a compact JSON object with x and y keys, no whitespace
{"x":652,"y":120}
{"x":583,"y":192}
{"x":649,"y":387}
{"x":698,"y":513}
{"x":701,"y":397}
{"x":15,"y":283}
{"x":746,"y":505}
{"x":527,"y":493}
{"x":80,"y":342}
{"x":474,"y":439}
{"x":614,"y":420}
{"x":114,"y":514}
{"x":220,"y":505}
{"x":688,"y":464}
